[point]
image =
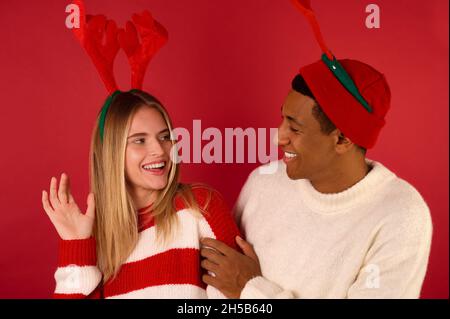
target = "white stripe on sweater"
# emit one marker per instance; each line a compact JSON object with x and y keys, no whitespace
{"x":187,"y":235}
{"x":165,"y":292}
{"x":75,"y":279}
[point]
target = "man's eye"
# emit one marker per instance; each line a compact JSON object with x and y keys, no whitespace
{"x":165,"y":138}
{"x":294,"y":130}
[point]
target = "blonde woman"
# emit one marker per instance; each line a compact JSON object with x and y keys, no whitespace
{"x":140,"y":236}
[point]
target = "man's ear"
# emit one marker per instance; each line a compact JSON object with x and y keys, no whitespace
{"x":342,"y":144}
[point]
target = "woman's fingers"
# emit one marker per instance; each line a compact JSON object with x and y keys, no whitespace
{"x":71,"y":199}
{"x":53,"y":194}
{"x":90,"y":212}
{"x":69,"y":194}
{"x":46,"y":204}
{"x":63,"y":188}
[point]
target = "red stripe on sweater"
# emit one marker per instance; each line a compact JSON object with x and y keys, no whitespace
{"x":217,"y":214}
{"x":77,"y":252}
{"x":176,"y":266}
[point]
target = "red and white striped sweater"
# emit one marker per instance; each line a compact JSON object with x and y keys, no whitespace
{"x":152,"y":270}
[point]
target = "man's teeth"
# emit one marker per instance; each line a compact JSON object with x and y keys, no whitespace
{"x":155,"y":166}
{"x":290,"y":155}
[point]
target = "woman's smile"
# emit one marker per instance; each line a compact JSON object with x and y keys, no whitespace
{"x":156,"y":168}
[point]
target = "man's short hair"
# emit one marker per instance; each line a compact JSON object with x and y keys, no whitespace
{"x":326,"y":125}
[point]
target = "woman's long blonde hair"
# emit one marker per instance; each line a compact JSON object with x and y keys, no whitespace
{"x":116,"y":220}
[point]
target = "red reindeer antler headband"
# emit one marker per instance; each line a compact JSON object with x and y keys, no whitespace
{"x":354,"y":95}
{"x":141,"y":40}
{"x":304,"y":6}
{"x":153,"y":37}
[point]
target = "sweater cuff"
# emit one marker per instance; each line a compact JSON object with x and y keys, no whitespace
{"x":260,"y":288}
{"x":80,"y":252}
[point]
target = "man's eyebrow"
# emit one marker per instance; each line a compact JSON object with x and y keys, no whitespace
{"x":291,"y":119}
{"x":145,"y":134}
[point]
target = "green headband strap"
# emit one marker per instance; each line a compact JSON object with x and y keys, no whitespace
{"x":345,"y":79}
{"x":105,"y":109}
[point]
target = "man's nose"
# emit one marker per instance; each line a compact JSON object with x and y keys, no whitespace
{"x":283,"y":138}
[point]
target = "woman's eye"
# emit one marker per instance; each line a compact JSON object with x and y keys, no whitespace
{"x":139,"y":141}
{"x":165,"y":138}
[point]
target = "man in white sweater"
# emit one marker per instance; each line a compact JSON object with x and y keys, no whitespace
{"x":326,"y":222}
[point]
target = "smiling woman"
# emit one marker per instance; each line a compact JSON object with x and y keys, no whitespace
{"x":130,"y":114}
{"x":143,"y":223}
{"x":140,"y":236}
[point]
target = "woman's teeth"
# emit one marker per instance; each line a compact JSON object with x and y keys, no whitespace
{"x":155,"y":166}
{"x":290,"y":155}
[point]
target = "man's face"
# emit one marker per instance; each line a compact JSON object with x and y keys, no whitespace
{"x":309,"y":152}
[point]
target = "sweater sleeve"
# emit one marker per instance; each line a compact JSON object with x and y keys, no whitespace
{"x":258,"y":287}
{"x":262,"y":288}
{"x":218,"y":223}
{"x":396,"y":263}
{"x":241,"y":203}
{"x":77,"y":275}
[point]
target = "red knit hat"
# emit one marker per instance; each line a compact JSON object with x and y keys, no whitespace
{"x":354,"y":95}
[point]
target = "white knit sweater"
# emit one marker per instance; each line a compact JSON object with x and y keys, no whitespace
{"x":370,"y":241}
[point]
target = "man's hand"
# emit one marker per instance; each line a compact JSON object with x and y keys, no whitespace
{"x":232,"y":269}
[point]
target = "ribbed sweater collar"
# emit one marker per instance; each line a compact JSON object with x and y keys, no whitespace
{"x":360,"y":193}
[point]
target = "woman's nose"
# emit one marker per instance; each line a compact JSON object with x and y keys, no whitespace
{"x":156,"y":149}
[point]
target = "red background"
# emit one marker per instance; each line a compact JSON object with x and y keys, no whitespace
{"x":228,"y":63}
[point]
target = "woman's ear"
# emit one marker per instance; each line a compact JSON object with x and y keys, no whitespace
{"x":342,"y":143}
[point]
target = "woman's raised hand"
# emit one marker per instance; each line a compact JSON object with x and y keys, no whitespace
{"x":69,"y":221}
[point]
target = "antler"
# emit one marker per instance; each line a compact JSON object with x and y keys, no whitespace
{"x":153,"y":37}
{"x":304,"y":6}
{"x":98,"y":36}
